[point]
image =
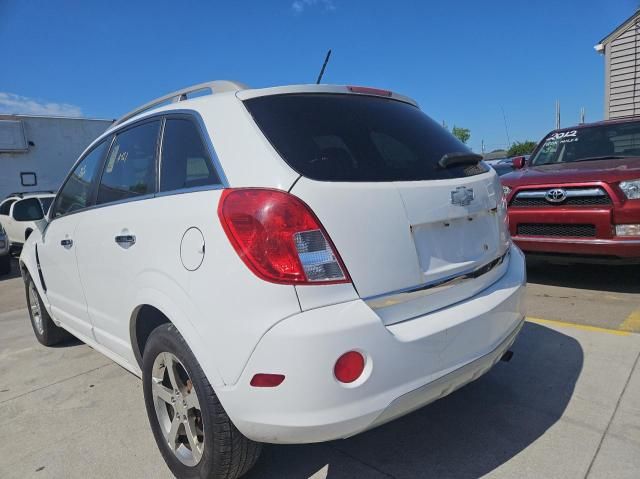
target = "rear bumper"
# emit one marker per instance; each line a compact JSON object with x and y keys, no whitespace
{"x":603,"y":248}
{"x":408,"y":364}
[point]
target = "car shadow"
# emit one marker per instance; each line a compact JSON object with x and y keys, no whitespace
{"x":598,"y":277}
{"x":465,"y":435}
{"x":68,"y":343}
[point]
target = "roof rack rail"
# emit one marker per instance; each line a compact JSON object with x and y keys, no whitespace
{"x":216,"y":86}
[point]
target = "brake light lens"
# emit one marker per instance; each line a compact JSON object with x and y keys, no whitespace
{"x":369,"y":91}
{"x":279,"y":238}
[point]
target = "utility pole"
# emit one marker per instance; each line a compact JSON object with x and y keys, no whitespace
{"x":557,"y":114}
{"x":506,"y":129}
{"x":582,"y":115}
{"x":482,"y":146}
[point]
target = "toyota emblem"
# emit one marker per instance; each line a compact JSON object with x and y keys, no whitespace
{"x":555,"y":195}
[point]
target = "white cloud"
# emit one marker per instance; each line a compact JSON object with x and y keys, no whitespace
{"x":12,"y":103}
{"x":298,"y":6}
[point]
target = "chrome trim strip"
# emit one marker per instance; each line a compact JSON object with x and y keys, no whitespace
{"x":409,"y":294}
{"x":144,"y":197}
{"x":571,"y":193}
{"x":191,"y":189}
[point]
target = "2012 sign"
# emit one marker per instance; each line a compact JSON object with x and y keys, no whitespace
{"x":563,"y":135}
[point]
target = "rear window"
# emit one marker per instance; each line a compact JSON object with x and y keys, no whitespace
{"x":338,"y":137}
{"x":185,"y":162}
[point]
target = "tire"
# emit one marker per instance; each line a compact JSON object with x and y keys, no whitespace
{"x":15,"y":249}
{"x":47,"y":333}
{"x":221,"y":451}
{"x":5,"y":264}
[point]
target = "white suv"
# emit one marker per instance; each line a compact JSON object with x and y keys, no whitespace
{"x":21,"y":213}
{"x":283,"y":265}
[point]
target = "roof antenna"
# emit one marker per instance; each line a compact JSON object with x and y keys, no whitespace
{"x":324,"y":65}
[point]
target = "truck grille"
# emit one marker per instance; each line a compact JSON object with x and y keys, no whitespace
{"x":574,"y":197}
{"x":547,"y":229}
{"x":580,"y":201}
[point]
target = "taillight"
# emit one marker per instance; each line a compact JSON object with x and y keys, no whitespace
{"x":279,"y":238}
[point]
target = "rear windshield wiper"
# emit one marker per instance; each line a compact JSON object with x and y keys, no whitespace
{"x":459,"y":158}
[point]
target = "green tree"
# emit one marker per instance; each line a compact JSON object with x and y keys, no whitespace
{"x":519,"y":148}
{"x":462,"y":134}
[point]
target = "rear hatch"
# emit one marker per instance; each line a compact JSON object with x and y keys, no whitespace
{"x":414,"y":236}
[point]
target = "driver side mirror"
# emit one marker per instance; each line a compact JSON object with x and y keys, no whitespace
{"x":519,"y":162}
{"x":29,"y":209}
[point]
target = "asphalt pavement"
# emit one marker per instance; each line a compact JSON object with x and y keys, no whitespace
{"x":567,"y":405}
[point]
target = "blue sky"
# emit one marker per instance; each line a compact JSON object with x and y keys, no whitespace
{"x":462,"y":61}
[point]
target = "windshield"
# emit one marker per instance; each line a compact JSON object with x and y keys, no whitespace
{"x":334,"y":137}
{"x":593,"y":142}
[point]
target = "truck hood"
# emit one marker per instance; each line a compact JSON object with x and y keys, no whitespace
{"x":610,"y":171}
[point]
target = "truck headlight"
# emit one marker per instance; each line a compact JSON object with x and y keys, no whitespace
{"x":631,"y":189}
{"x":506,"y":190}
{"x":627,"y":230}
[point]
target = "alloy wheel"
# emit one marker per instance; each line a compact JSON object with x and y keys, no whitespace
{"x":34,"y":306}
{"x":177,"y":409}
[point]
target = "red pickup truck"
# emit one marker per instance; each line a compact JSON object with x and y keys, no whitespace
{"x":577,"y":198}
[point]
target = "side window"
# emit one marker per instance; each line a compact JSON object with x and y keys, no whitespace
{"x":130,"y":169}
{"x":185,"y":160}
{"x":76,"y":192}
{"x":5,"y":207}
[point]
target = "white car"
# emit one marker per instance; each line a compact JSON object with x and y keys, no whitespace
{"x":282,"y":265}
{"x":22,"y":213}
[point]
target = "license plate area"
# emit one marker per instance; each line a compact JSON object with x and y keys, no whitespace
{"x":444,"y":247}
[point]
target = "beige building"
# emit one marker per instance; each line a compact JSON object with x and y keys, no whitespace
{"x":621,"y":50}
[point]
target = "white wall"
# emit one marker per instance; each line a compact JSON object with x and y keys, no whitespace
{"x":57,"y":144}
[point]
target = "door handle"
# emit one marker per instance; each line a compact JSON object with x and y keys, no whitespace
{"x":126,"y":240}
{"x":67,"y":243}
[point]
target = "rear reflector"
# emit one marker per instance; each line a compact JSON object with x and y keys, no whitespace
{"x":279,"y":238}
{"x":369,"y":91}
{"x":267,"y":380}
{"x":349,"y":367}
